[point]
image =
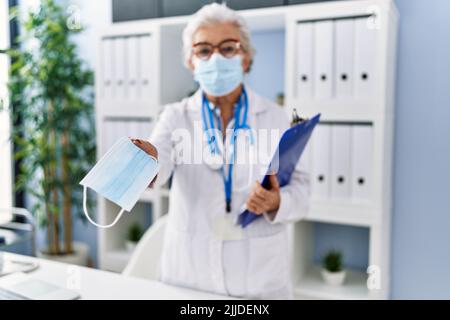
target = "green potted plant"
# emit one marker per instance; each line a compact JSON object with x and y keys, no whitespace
{"x":135,"y":233}
{"x":52,"y":98}
{"x":332,"y":268}
{"x":280,"y":99}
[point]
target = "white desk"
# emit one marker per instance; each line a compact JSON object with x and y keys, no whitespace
{"x":97,"y":284}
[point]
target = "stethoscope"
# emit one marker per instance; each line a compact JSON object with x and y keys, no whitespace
{"x":216,"y":160}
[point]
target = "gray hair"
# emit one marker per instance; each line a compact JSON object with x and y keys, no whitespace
{"x":212,"y":14}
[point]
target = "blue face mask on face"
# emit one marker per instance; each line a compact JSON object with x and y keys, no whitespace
{"x":120,"y":176}
{"x":218,"y":75}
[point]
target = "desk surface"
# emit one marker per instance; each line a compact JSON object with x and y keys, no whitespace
{"x":96,"y":284}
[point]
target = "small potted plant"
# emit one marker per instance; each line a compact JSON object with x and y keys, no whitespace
{"x":135,"y":233}
{"x":332,"y":271}
{"x":280,"y":98}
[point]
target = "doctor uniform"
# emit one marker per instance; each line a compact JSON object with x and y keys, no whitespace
{"x":252,"y":262}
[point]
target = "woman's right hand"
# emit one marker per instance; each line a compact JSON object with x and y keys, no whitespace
{"x":149,"y":149}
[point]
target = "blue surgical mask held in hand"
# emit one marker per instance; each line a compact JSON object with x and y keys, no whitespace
{"x":218,"y":76}
{"x":121,"y":176}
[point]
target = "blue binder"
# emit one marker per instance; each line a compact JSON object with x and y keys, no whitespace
{"x":289,"y":150}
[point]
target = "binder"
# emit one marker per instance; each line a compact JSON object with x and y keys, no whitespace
{"x":306,"y":157}
{"x":142,"y":129}
{"x":108,"y":68}
{"x":138,"y":128}
{"x":285,"y":159}
{"x":362,"y":152}
{"x":365,"y":57}
{"x":340,"y":161}
{"x":120,"y":65}
{"x":320,"y":162}
{"x":323,"y":66}
{"x":146,"y":70}
{"x":133,"y":128}
{"x":304,"y":78}
{"x":108,"y":135}
{"x":122,"y":129}
{"x":146,"y":128}
{"x":133,"y":65}
{"x":344,"y":57}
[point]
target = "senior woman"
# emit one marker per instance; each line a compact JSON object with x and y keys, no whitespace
{"x":204,"y":248}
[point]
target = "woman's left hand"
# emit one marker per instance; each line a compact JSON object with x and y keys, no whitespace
{"x":262,"y":200}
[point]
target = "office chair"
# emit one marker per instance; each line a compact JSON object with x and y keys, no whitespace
{"x":145,"y":260}
{"x":19,"y":220}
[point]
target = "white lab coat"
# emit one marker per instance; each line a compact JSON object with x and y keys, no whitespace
{"x":258,"y":264}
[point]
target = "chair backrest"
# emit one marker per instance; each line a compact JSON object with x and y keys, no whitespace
{"x":26,"y":223}
{"x":145,"y":260}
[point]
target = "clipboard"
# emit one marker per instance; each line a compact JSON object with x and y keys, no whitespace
{"x":288,"y":153}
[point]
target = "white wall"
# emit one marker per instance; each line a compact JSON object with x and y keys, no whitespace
{"x":94,"y":16}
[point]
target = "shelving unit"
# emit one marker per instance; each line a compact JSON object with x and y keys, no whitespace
{"x":313,"y":287}
{"x":171,"y":82}
{"x":151,"y":74}
{"x":376,"y":110}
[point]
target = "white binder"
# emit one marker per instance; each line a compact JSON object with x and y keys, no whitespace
{"x":140,"y":129}
{"x":304,"y":78}
{"x":323,"y":53}
{"x":114,"y":129}
{"x":108,"y":136}
{"x":127,"y":128}
{"x":120,"y":65}
{"x":108,"y":68}
{"x":133,"y":128}
{"x":365,"y":57}
{"x":344,"y":32}
{"x":146,"y":68}
{"x":146,"y":129}
{"x":362,"y":152}
{"x":321,"y":157}
{"x":305,"y":159}
{"x":340,"y":161}
{"x":117,"y":132}
{"x":133,"y":66}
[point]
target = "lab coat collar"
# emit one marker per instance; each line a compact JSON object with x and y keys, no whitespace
{"x":255,"y":106}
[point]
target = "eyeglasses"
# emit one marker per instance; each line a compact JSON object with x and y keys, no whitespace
{"x":227,"y":48}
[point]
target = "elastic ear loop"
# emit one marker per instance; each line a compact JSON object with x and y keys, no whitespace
{"x":92,"y":221}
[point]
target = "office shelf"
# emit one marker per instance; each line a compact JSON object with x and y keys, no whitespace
{"x":126,"y":111}
{"x":374,"y":108}
{"x":343,"y":213}
{"x":171,"y":82}
{"x":112,"y":253}
{"x":312,"y":286}
{"x":336,"y":111}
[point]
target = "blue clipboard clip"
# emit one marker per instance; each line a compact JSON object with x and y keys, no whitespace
{"x":288,"y":153}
